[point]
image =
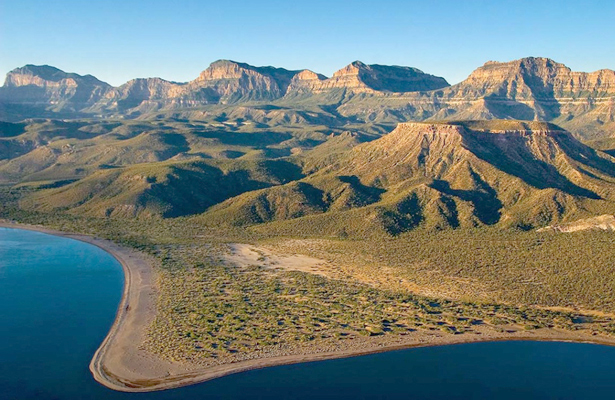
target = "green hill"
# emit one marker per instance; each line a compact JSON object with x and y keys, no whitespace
{"x":168,"y":189}
{"x":442,"y":175}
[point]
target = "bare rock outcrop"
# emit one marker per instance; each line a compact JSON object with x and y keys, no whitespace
{"x":228,"y":81}
{"x":358,"y":77}
{"x":49,"y":86}
{"x":603,"y":222}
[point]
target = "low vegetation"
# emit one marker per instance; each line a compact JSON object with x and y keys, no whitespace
{"x":212,"y":312}
{"x":437,"y":283}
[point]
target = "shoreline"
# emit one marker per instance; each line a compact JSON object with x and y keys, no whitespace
{"x":121,"y":365}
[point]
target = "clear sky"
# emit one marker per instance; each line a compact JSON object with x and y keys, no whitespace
{"x":176,"y":39}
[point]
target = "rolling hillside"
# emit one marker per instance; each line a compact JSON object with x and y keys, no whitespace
{"x":434,"y":175}
{"x":439,"y":175}
{"x":49,"y":150}
{"x":166,"y":189}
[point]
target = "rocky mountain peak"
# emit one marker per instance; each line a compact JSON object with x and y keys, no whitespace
{"x":537,"y":76}
{"x":307,"y":75}
{"x":414,"y":137}
{"x":45,"y":75}
{"x":351,"y":69}
{"x":305,"y":81}
{"x":524,"y":69}
{"x":48,"y":87}
{"x":531,"y":88}
{"x":231,"y":81}
{"x":228,"y":69}
{"x":360,"y":77}
{"x":134,"y":92}
{"x":224,"y":69}
{"x":526,"y":62}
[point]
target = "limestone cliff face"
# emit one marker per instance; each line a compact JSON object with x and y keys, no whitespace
{"x":348,"y":78}
{"x":532,"y":77}
{"x":358,"y":77}
{"x":150,"y":88}
{"x":229,"y":82}
{"x":305,"y":81}
{"x":532,"y":89}
{"x":133,"y":93}
{"x":47,"y":85}
{"x":526,"y":89}
{"x":46,"y":76}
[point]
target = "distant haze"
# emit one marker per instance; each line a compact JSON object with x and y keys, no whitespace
{"x":119,"y":40}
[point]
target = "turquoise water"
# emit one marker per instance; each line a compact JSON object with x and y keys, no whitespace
{"x":58,"y":298}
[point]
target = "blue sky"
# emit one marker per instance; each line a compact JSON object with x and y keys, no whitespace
{"x":175,"y":40}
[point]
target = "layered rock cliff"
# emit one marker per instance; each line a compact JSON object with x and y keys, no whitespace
{"x":231,"y":82}
{"x":358,"y":77}
{"x":133,"y":93}
{"x":527,"y":89}
{"x":306,"y":81}
{"x":534,"y":78}
{"x":49,"y":86}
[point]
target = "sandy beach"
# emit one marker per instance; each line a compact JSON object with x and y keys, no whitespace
{"x":121,"y":363}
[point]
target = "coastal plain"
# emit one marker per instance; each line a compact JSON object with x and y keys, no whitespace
{"x":124,"y":363}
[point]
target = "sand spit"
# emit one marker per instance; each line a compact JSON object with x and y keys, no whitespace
{"x":121,"y":363}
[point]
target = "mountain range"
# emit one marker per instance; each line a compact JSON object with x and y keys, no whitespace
{"x":372,"y":150}
{"x":227,"y":91}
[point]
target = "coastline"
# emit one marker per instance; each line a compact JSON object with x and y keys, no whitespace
{"x":120,"y":364}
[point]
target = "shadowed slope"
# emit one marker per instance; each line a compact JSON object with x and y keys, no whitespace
{"x":444,"y":175}
{"x":161,"y":189}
